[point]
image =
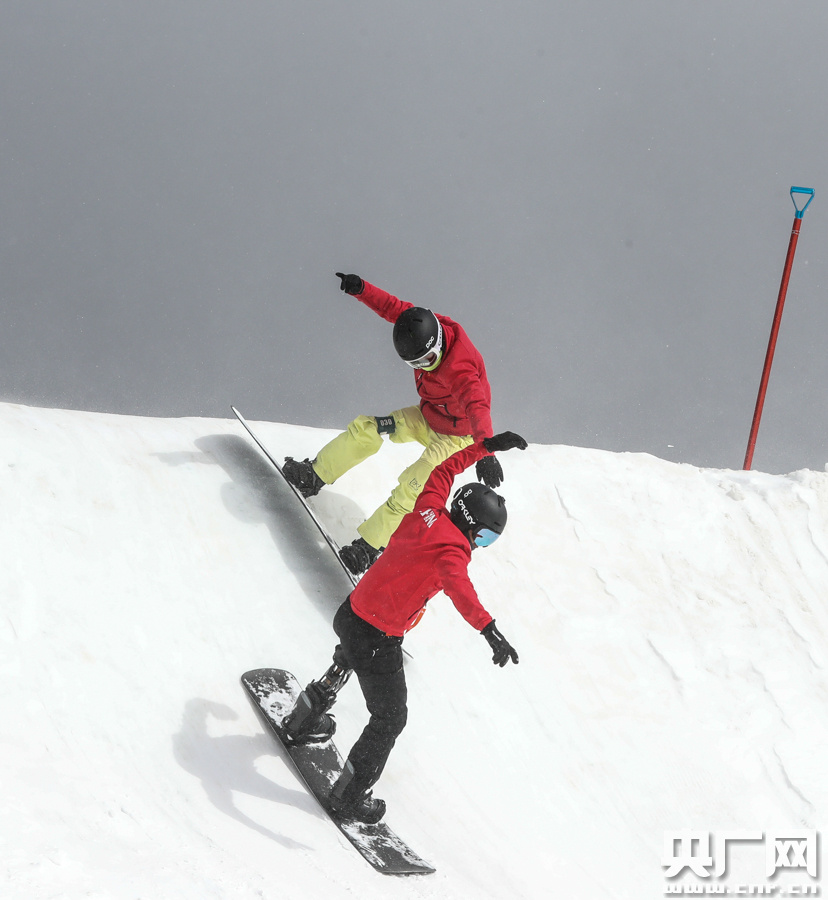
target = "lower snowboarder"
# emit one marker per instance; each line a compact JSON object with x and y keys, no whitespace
{"x":430,"y":551}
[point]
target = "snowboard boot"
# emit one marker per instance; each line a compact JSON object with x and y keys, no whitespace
{"x":359,"y":556}
{"x":302,"y":476}
{"x":309,"y":721}
{"x":350,"y":801}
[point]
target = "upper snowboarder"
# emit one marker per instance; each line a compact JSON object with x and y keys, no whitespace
{"x":454,"y":411}
{"x":429,"y":552}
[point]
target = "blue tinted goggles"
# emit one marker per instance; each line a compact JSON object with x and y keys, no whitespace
{"x":485,"y":537}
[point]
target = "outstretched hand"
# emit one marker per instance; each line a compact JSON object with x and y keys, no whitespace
{"x":351,"y":284}
{"x":489,"y":471}
{"x":506,"y":440}
{"x":503,"y":651}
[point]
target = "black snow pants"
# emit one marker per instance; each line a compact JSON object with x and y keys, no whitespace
{"x":377,"y":660}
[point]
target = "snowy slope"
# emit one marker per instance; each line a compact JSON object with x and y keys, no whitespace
{"x":670,"y":620}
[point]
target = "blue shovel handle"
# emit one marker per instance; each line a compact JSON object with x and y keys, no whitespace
{"x":801,"y":190}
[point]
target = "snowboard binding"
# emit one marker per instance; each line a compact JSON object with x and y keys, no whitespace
{"x":351,"y":798}
{"x":309,"y":722}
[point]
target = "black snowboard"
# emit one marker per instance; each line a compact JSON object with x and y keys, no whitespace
{"x":273,"y":693}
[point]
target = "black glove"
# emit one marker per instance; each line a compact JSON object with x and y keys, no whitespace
{"x":506,"y":440}
{"x":489,"y":471}
{"x":351,"y":284}
{"x":503,"y":650}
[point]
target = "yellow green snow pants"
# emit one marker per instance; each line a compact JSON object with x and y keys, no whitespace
{"x":361,"y":440}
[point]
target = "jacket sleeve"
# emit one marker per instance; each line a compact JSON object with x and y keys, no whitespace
{"x":382,"y":303}
{"x":439,"y":484}
{"x":457,"y":585}
{"x":475,"y":401}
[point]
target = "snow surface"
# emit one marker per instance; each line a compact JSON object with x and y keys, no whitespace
{"x":670,"y":622}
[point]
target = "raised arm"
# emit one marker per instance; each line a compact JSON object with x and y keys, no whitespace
{"x":381,"y":302}
{"x":438,"y":486}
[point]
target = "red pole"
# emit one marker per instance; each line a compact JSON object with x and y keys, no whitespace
{"x":777,"y":318}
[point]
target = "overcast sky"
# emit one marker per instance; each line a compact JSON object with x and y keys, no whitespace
{"x":597,"y":191}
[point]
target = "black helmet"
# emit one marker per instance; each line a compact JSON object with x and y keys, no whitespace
{"x":418,"y":337}
{"x":477,"y":507}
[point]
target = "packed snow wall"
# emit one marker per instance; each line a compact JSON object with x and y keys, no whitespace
{"x":670,"y":622}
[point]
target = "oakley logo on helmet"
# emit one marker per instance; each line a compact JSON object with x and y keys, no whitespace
{"x":462,"y":507}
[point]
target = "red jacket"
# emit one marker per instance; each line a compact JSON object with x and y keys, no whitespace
{"x":456,"y":397}
{"x":427,"y":553}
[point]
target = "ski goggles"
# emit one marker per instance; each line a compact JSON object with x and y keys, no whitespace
{"x":485,"y":537}
{"x":429,"y":361}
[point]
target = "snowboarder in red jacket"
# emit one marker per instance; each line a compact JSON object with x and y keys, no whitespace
{"x":429,"y":552}
{"x":454,"y":411}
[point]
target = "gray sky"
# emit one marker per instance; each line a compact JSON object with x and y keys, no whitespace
{"x":597,"y":191}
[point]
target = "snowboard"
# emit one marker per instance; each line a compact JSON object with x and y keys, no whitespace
{"x":322,"y":530}
{"x":273,"y":694}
